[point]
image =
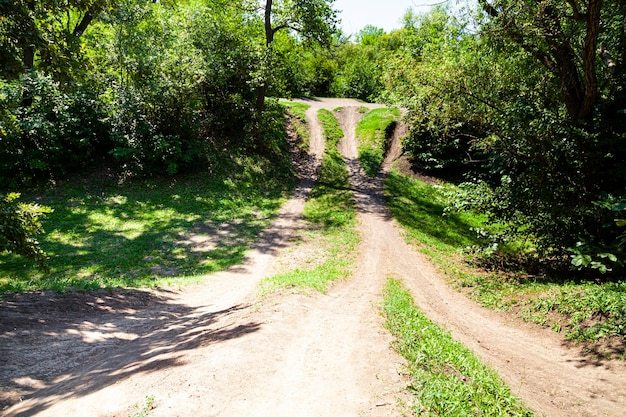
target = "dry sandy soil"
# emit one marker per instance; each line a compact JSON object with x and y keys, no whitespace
{"x":219,"y":349}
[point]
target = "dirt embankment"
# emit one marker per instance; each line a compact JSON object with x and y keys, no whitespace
{"x":217,"y":349}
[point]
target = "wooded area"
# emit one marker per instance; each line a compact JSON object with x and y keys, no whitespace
{"x":521,"y":103}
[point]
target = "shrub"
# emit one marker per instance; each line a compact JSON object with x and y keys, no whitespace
{"x":19,"y":223}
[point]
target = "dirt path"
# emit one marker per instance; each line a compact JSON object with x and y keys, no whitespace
{"x":216,"y":349}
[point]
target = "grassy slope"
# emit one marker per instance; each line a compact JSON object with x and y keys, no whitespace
{"x":370,"y":132}
{"x":330,"y":211}
{"x":593,"y":312}
{"x":103,"y":234}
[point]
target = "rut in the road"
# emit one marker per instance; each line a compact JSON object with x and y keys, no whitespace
{"x":216,"y":349}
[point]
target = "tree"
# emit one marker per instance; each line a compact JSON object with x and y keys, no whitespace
{"x":47,"y":30}
{"x":534,"y":102}
{"x":563,"y":36}
{"x":311,"y":19}
{"x":19,"y":224}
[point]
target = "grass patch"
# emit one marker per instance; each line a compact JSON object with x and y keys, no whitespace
{"x":591,"y":313}
{"x":103,"y":234}
{"x":372,"y":132}
{"x":447,"y":379}
{"x":330,"y":212}
{"x":299,"y":123}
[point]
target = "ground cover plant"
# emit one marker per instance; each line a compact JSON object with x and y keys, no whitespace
{"x":447,"y":379}
{"x":589,"y":312}
{"x":331,"y":220}
{"x":372,"y":132}
{"x":144,"y":232}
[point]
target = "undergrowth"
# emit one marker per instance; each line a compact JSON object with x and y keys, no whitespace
{"x":447,"y":378}
{"x":589,"y":312}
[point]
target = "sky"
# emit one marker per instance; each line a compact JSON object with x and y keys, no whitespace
{"x":386,"y":14}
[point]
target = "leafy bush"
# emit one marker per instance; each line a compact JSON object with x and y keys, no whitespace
{"x":60,"y":132}
{"x":19,"y":223}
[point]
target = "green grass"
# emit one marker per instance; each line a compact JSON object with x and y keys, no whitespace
{"x":331,"y":128}
{"x":299,"y":123}
{"x":330,"y":212}
{"x":371,"y":132}
{"x":590,"y":313}
{"x":102,"y":234}
{"x":447,"y":378}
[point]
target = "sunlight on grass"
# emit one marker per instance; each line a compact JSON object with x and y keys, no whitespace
{"x":102,"y":234}
{"x":447,"y":378}
{"x":330,"y":212}
{"x":593,"y":313}
{"x":371,"y":132}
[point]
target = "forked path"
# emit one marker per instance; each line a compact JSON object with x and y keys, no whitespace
{"x":216,"y":349}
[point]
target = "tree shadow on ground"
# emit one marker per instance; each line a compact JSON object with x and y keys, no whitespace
{"x":91,"y":340}
{"x":418,"y":207}
{"x":104,"y":234}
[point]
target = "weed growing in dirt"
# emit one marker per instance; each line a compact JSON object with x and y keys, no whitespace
{"x":371,"y":132}
{"x":147,"y":407}
{"x":330,"y":210}
{"x":103,"y":234}
{"x":447,"y":379}
{"x":593,"y":313}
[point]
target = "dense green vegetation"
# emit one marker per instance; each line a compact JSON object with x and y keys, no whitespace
{"x":591,"y":312}
{"x":330,"y":214}
{"x":447,"y":378}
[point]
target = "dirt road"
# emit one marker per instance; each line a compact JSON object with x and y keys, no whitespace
{"x":217,"y":349}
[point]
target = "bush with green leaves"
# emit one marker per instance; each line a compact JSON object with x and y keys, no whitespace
{"x":19,"y":224}
{"x":61,"y":131}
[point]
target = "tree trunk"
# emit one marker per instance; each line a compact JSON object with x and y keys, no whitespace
{"x":29,"y":62}
{"x":589,"y":57}
{"x":260,"y":101}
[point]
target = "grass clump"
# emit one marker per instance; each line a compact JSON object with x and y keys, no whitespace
{"x":447,"y":378}
{"x":592,"y":313}
{"x":372,"y":132}
{"x":330,"y":213}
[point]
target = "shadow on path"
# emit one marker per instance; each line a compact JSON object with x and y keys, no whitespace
{"x":54,"y":344}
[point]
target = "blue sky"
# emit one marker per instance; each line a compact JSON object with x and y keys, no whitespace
{"x":386,"y":14}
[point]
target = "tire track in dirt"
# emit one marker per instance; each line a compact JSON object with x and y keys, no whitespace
{"x":225,"y":353}
{"x":215,"y":349}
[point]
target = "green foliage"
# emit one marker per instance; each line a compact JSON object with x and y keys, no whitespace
{"x":19,"y":224}
{"x":62,"y":131}
{"x":373,"y":131}
{"x":589,"y":312}
{"x":447,"y":378}
{"x":482,"y":109}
